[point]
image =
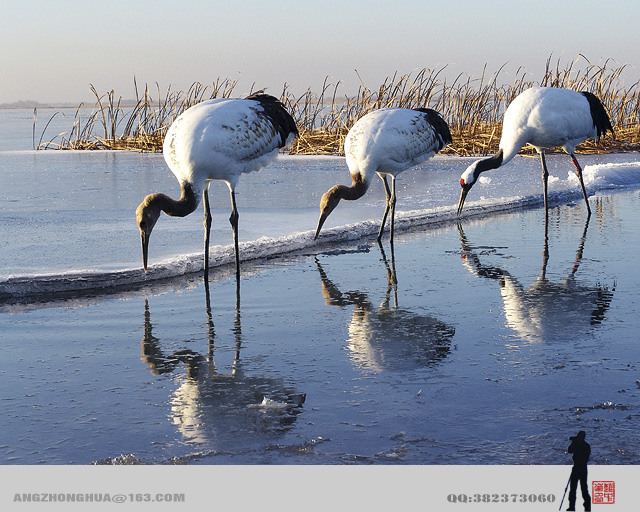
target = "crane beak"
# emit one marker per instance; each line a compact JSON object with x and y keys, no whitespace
{"x":328,"y":203}
{"x":323,"y":217}
{"x":463,"y":196}
{"x":144,"y":237}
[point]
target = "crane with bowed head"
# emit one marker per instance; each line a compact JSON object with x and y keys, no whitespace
{"x":218,"y":139}
{"x":386,"y":142}
{"x":544,"y":117}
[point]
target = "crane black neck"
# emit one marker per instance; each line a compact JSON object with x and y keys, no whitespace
{"x":187,"y":203}
{"x":493,"y":162}
{"x":357,"y":189}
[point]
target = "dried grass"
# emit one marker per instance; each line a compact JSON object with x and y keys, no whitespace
{"x":473,"y":107}
{"x":141,"y":127}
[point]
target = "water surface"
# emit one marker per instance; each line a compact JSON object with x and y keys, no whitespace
{"x":478,"y":342}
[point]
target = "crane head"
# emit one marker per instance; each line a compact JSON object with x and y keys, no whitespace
{"x":467,"y":180}
{"x":463,"y":193}
{"x":328,"y":202}
{"x":472,"y":173}
{"x":146,"y":216}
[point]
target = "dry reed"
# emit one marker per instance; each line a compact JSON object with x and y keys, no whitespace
{"x":473,"y":107}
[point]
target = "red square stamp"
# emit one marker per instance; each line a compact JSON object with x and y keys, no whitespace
{"x":603,"y":492}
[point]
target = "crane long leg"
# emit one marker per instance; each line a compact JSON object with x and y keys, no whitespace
{"x":393,"y":207}
{"x":207,"y":229}
{"x":545,"y":179}
{"x":386,"y":208}
{"x":234,"y":225}
{"x":579,"y":173}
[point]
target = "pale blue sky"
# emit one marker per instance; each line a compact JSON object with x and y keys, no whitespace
{"x":50,"y":51}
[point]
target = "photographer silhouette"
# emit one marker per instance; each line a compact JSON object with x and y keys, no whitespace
{"x":580,"y":451}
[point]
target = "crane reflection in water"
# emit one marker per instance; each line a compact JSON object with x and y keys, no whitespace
{"x":388,"y":338}
{"x":210,"y":404}
{"x":546,"y":310}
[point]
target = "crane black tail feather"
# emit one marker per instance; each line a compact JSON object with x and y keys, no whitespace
{"x":439,"y":125}
{"x":600,"y":117}
{"x":274,"y":110}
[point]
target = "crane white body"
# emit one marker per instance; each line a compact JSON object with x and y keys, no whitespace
{"x":386,"y":142}
{"x":389,"y":141}
{"x":544,"y":117}
{"x":218,"y":139}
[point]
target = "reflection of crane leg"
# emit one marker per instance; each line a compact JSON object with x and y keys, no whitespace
{"x":237,"y":331}
{"x":211,"y":333}
{"x":583,"y":239}
{"x":392,"y":281}
{"x":545,"y":250}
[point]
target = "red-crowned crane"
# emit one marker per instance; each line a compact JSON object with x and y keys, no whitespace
{"x":544,"y":117}
{"x":218,"y":139}
{"x":386,"y":142}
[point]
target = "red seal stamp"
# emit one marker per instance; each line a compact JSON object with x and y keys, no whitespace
{"x":603,"y":492}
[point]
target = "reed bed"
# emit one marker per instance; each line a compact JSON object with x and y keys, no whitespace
{"x":142,"y":126}
{"x":473,"y":108}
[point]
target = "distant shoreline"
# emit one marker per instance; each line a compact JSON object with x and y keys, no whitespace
{"x":30,"y":105}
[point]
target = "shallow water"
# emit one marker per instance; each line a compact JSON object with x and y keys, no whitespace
{"x":459,"y":346}
{"x":326,"y":360}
